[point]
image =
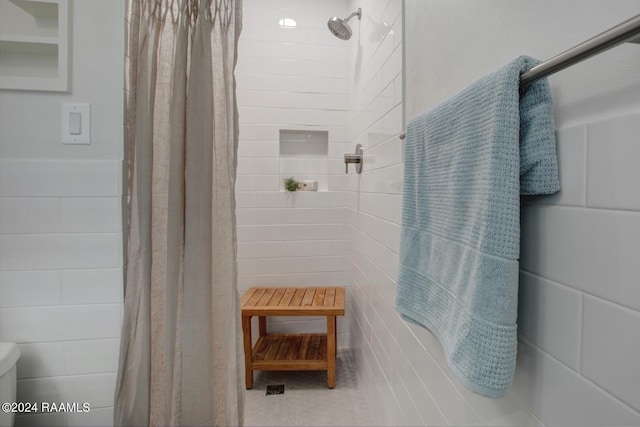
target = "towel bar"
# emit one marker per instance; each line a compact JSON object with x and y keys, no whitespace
{"x":626,"y":31}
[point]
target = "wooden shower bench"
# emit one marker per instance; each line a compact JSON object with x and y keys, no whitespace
{"x":291,"y":352}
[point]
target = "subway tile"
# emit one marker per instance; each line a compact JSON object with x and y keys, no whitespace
{"x":91,"y":356}
{"x":298,"y":199}
{"x":375,"y":276}
{"x":326,"y":278}
{"x":96,"y":286}
{"x":247,"y":233}
{"x":257,"y":81}
{"x":507,"y":411}
{"x":90,"y":215}
{"x":455,"y":408}
{"x":379,"y":254}
{"x":590,"y":250}
{"x":29,"y":288}
{"x":271,"y":132}
{"x":292,"y":265}
{"x":561,"y":397}
{"x":398,"y":92}
{"x":258,"y":132}
{"x":270,"y":99}
{"x":385,"y":232}
{"x":95,"y":389}
{"x":407,"y":409}
{"x":296,"y":51}
{"x":40,"y":360}
{"x":56,"y":419}
{"x":60,"y":323}
{"x":328,"y":101}
{"x":377,"y":205}
{"x":247,"y":148}
{"x":386,"y":153}
{"x":258,"y":166}
{"x":338,"y":149}
{"x":338,"y":183}
{"x":299,"y":165}
{"x":290,"y":67}
{"x":29,"y":215}
{"x":59,"y":178}
{"x":257,"y":182}
{"x":98,"y":417}
{"x":292,"y":84}
{"x":610,"y":349}
{"x":392,"y":121}
{"x":60,"y":251}
{"x":612,"y":171}
{"x":275,"y":216}
{"x":270,"y":33}
{"x":429,"y":411}
{"x":259,"y":249}
{"x":385,"y":181}
{"x":280,"y":249}
{"x":59,"y":215}
{"x":392,"y":68}
{"x":550,"y":316}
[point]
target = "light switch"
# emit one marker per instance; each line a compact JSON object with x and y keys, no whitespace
{"x":76,"y":124}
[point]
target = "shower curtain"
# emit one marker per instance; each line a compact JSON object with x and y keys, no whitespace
{"x":181,"y":359}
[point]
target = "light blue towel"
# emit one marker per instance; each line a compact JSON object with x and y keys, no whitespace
{"x":467,"y":161}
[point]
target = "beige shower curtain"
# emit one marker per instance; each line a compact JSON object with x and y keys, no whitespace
{"x":181,"y":357}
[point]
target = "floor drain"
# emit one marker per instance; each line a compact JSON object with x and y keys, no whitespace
{"x":275,"y":389}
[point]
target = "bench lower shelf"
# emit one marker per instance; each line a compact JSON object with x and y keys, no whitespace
{"x":290,"y":352}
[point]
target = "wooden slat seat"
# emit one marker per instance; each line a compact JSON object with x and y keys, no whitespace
{"x":287,"y":352}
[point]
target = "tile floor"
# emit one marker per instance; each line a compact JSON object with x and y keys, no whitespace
{"x":306,"y":400}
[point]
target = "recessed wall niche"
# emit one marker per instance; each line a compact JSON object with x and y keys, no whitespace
{"x":303,"y":143}
{"x":303,"y":155}
{"x":34,"y":44}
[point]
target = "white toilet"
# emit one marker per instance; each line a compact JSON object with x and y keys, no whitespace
{"x":9,"y":355}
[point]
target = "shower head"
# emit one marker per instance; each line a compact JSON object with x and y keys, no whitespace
{"x":340,"y":28}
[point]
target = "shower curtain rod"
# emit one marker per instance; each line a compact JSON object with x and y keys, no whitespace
{"x":626,"y":31}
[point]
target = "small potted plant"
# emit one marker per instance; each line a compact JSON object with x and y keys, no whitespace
{"x":290,"y":184}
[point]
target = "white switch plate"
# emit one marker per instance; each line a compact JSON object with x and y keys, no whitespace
{"x":74,"y":132}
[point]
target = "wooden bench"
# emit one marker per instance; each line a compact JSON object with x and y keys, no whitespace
{"x":291,"y":352}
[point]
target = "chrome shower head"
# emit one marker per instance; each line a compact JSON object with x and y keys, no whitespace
{"x":340,"y":28}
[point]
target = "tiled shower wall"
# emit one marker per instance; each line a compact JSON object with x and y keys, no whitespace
{"x":292,"y":78}
{"x":61,"y":229}
{"x":376,"y":119}
{"x":579,"y":315}
{"x":579,"y":303}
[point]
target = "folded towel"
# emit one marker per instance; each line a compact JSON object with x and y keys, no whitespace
{"x":466,"y":163}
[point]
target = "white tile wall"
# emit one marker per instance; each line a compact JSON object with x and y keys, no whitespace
{"x":579,"y":304}
{"x":61,"y":279}
{"x":611,"y":359}
{"x":612,"y":169}
{"x":561,"y":397}
{"x":61,"y":230}
{"x":550,"y":316}
{"x":292,"y":78}
{"x":61,"y":282}
{"x":585,"y":249}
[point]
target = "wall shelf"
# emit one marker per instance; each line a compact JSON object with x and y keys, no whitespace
{"x":34,"y":45}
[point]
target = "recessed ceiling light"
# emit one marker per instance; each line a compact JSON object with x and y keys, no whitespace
{"x":287,"y":22}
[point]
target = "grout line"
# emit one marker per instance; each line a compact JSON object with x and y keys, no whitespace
{"x":585,"y":160}
{"x":580,"y":335}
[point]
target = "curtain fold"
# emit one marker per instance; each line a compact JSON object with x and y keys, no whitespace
{"x":181,"y":359}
